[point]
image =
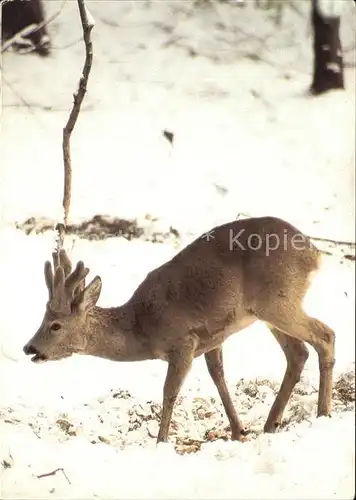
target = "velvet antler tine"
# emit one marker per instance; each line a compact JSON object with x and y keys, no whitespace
{"x":80,"y":287}
{"x":65,"y":262}
{"x":49,"y":278}
{"x":76,"y":279}
{"x":58,"y":284}
{"x":56,"y":262}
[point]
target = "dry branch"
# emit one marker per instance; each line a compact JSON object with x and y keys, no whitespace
{"x":53,"y":473}
{"x":87,"y":25}
{"x":334,"y":242}
{"x":28,"y":30}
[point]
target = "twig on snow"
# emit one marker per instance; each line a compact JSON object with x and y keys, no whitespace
{"x":53,"y":473}
{"x":335,"y":242}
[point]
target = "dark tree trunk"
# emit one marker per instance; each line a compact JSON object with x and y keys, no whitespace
{"x":17,"y":15}
{"x":328,"y":62}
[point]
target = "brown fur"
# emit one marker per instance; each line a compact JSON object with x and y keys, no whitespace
{"x":190,"y":305}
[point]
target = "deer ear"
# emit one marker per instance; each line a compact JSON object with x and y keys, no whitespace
{"x":88,"y":298}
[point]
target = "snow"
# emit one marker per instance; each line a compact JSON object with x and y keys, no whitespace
{"x":243,"y":125}
{"x":331,"y":8}
{"x":265,"y":468}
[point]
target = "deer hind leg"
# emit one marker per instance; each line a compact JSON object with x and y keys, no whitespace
{"x":296,"y":354}
{"x":214,"y":362}
{"x":179,"y":364}
{"x":322,"y":338}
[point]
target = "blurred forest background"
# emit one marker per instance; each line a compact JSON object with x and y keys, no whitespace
{"x":169,"y":59}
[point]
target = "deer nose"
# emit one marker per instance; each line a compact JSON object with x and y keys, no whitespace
{"x":29,"y":349}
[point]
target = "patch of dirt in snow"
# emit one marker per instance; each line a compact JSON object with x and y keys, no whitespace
{"x":101,"y":227}
{"x":81,"y":453}
{"x":121,"y":420}
{"x":344,"y":388}
{"x":148,"y":228}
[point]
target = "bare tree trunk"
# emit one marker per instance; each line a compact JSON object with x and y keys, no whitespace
{"x":328,"y":62}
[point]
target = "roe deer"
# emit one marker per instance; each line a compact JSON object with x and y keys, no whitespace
{"x":219,"y":284}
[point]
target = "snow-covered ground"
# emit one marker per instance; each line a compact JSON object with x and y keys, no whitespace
{"x":247,"y":140}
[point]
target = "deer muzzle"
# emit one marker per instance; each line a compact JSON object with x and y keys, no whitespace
{"x":37,"y":357}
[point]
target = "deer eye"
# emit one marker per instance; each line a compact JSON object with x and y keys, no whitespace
{"x":56,"y":326}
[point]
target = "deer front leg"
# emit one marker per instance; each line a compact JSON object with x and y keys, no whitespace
{"x":179,"y":364}
{"x":214,"y":362}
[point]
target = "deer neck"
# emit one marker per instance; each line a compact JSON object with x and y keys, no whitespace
{"x":111,"y":334}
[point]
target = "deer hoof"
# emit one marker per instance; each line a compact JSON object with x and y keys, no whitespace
{"x":240,"y":435}
{"x":271,"y":427}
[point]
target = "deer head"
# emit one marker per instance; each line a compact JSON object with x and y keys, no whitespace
{"x":62,"y":331}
